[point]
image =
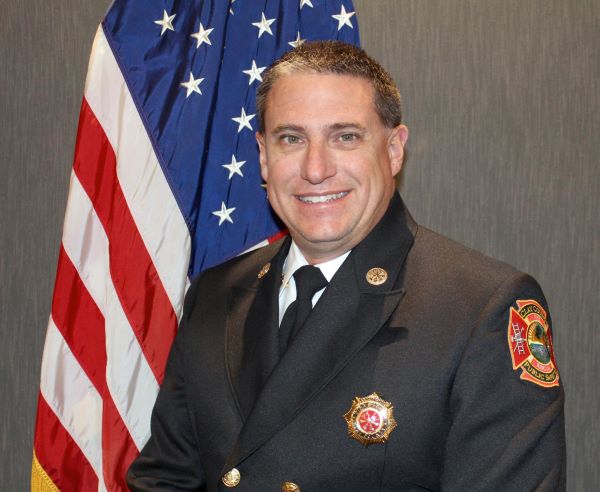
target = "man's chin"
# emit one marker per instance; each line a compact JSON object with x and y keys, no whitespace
{"x":321,"y":238}
{"x":324,"y":246}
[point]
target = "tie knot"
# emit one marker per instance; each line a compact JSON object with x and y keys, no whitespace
{"x":309,"y":280}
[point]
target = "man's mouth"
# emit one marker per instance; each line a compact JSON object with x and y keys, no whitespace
{"x":322,"y":198}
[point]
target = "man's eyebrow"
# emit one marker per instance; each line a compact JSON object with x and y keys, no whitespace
{"x":347,"y":124}
{"x":333,"y":127}
{"x":288,"y":128}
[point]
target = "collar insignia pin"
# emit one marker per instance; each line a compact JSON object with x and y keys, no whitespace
{"x":264,"y":270}
{"x":370,"y":419}
{"x":377,"y":276}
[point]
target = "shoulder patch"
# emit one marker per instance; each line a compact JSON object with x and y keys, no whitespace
{"x":530,"y":344}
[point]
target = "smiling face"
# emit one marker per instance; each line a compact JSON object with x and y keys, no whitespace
{"x":328,"y":160}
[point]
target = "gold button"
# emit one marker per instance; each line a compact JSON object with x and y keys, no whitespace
{"x":289,"y":487}
{"x":231,"y":478}
{"x":376,"y":276}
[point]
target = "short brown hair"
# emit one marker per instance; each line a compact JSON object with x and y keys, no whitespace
{"x":340,"y":58}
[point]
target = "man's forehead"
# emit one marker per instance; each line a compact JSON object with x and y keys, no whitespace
{"x":318,"y":76}
{"x":295,"y":89}
{"x":318,"y":101}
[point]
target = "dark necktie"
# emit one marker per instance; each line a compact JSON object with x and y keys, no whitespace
{"x":309,"y":280}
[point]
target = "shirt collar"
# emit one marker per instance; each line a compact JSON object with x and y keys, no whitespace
{"x":295,"y":259}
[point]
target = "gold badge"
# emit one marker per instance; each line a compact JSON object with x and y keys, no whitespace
{"x":264,"y":270}
{"x":289,"y":487}
{"x":370,"y":419}
{"x":376,"y":276}
{"x":231,"y":478}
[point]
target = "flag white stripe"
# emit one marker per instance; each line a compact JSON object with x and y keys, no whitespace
{"x":129,"y":378}
{"x":73,"y":398}
{"x":148,"y":195}
{"x":256,"y":246}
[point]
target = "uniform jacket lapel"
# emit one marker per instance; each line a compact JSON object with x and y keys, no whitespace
{"x":252,"y":349}
{"x":347,"y":316}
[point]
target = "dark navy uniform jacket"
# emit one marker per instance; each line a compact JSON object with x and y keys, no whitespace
{"x":433,"y":340}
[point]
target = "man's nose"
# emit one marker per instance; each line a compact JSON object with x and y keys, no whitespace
{"x":318,"y":163}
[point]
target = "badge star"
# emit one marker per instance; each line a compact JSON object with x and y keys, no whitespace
{"x":264,"y":25}
{"x":192,"y":85}
{"x":254,"y":72}
{"x":166,"y":22}
{"x":244,"y":120}
{"x":306,"y":2}
{"x":343,"y":18}
{"x":297,"y":42}
{"x":224,"y":214}
{"x":234,"y":167}
{"x":202,"y":36}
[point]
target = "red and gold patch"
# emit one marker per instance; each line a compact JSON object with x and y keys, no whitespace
{"x":530,"y":342}
{"x":370,"y":419}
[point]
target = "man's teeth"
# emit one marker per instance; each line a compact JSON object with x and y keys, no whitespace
{"x":322,"y":198}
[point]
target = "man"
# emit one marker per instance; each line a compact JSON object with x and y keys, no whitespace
{"x":423,"y":365}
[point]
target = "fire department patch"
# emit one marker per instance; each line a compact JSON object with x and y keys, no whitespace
{"x":530,"y":342}
{"x":370,"y":419}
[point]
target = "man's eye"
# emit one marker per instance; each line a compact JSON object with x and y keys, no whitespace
{"x":290,"y":139}
{"x":348,"y":137}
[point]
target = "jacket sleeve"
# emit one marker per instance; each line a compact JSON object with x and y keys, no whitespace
{"x":507,"y":433}
{"x":170,"y":460}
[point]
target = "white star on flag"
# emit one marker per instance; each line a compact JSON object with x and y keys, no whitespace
{"x":244,"y":120}
{"x":234,"y":167}
{"x":306,"y":2}
{"x":166,"y":22}
{"x":254,"y":72}
{"x":264,"y":25}
{"x":202,"y":36}
{"x":192,"y":85}
{"x":224,"y":214}
{"x":343,"y":18}
{"x":297,"y":42}
{"x":231,"y":5}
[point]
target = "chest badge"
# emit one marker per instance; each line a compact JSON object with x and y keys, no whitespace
{"x":370,"y":419}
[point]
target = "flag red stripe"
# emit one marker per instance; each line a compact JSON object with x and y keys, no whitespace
{"x":134,"y":276}
{"x":277,"y":236}
{"x":118,"y":449}
{"x":59,"y":455}
{"x":72,"y":308}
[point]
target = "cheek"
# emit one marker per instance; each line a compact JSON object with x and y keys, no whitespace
{"x":368,"y":173}
{"x":281,"y":173}
{"x":277,"y":186}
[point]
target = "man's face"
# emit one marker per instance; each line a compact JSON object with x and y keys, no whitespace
{"x":328,"y":160}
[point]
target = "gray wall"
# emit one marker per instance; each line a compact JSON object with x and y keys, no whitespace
{"x":502,"y":99}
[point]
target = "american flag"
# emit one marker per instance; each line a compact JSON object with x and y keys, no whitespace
{"x":165,"y":183}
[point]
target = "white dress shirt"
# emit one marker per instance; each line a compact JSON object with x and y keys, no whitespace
{"x":295,"y":259}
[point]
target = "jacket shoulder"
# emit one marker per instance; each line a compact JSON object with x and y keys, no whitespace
{"x":461,"y":280}
{"x":448,"y":261}
{"x":241,"y":270}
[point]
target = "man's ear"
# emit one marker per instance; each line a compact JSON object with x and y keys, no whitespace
{"x":262,"y":156}
{"x":396,"y":142}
